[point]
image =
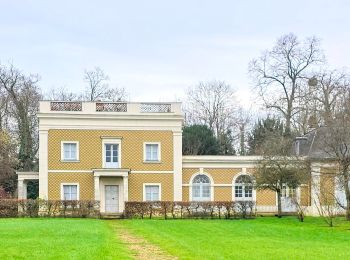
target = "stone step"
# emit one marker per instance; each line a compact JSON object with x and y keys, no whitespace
{"x":112,"y":215}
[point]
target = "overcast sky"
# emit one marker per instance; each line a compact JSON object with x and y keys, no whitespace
{"x":157,"y":49}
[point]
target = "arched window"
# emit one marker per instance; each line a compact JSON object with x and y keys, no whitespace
{"x":201,"y":188}
{"x":244,"y":187}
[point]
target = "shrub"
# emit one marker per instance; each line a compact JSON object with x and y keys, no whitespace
{"x":8,"y":208}
{"x":49,"y":208}
{"x":244,"y":209}
{"x":193,"y":209}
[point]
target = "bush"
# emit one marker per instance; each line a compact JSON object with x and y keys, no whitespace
{"x":245,"y":209}
{"x":49,"y":208}
{"x":194,"y":209}
{"x":8,"y":208}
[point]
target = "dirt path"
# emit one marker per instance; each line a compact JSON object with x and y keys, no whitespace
{"x":141,"y":249}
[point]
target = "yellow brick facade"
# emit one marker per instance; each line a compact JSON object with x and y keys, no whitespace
{"x":226,"y":176}
{"x":86,"y":184}
{"x":222,"y":193}
{"x":138,"y":124}
{"x":90,"y":149}
{"x":305,"y":195}
{"x":85,"y":180}
{"x":136,"y":181}
{"x":327,"y":185}
{"x":132,"y":150}
{"x":265,"y":198}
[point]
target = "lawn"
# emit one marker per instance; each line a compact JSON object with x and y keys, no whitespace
{"x":261,"y":238}
{"x":44,"y":238}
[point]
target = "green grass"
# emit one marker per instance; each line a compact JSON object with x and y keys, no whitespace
{"x":261,"y":238}
{"x":45,"y":238}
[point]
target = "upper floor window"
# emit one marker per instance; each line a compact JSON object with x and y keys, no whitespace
{"x":69,"y":151}
{"x":201,"y":188}
{"x":152,"y":152}
{"x":244,"y":187}
{"x":111,"y":153}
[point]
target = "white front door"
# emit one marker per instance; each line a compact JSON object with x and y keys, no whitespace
{"x":288,"y":195}
{"x":112,"y":198}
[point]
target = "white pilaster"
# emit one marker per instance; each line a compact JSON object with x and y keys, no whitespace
{"x":126,"y":188}
{"x":97,"y":187}
{"x":43,"y":164}
{"x":177,"y":146}
{"x":315,"y":189}
{"x":20,"y":189}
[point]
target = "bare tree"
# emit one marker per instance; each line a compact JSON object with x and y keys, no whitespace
{"x":4,"y":109}
{"x":242,"y":121}
{"x":327,"y":91}
{"x":336,"y":143}
{"x":24,"y":99}
{"x":7,"y":162}
{"x":62,"y":94}
{"x":98,"y":88}
{"x":279,"y":168}
{"x":115,"y":94}
{"x":327,"y":206}
{"x":96,"y":84}
{"x":213,"y":104}
{"x":301,"y":209}
{"x":281,"y":74}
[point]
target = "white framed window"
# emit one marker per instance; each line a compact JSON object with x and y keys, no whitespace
{"x":243,"y":187}
{"x":288,"y":192}
{"x":152,"y":191}
{"x":69,"y":191}
{"x":201,"y":188}
{"x":69,"y":151}
{"x":111,"y":155}
{"x":151,"y":152}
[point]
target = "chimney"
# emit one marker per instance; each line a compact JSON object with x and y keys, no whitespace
{"x":299,"y":141}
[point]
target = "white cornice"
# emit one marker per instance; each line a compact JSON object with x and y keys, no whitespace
{"x":111,"y":172}
{"x":113,"y":116}
{"x":214,"y":161}
{"x":110,"y":123}
{"x":220,"y":159}
{"x":28,"y":175}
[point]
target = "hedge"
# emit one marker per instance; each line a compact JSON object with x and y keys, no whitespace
{"x":49,"y":208}
{"x":194,"y":209}
{"x":133,"y":209}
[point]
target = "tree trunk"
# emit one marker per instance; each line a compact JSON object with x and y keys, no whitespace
{"x":242,"y":138}
{"x":279,"y":204}
{"x":288,"y":129}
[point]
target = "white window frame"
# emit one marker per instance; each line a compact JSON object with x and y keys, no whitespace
{"x":145,"y":152}
{"x":211,"y":185}
{"x":62,"y":151}
{"x":152,"y":184}
{"x":111,"y":141}
{"x":70,"y":184}
{"x":243,"y":198}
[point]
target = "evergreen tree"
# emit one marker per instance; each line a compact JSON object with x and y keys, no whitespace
{"x":261,"y":131}
{"x":199,"y":140}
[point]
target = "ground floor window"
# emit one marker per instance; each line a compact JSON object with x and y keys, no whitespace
{"x":288,"y":192}
{"x":151,"y":192}
{"x":244,"y":187}
{"x":70,"y":192}
{"x":201,"y":188}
